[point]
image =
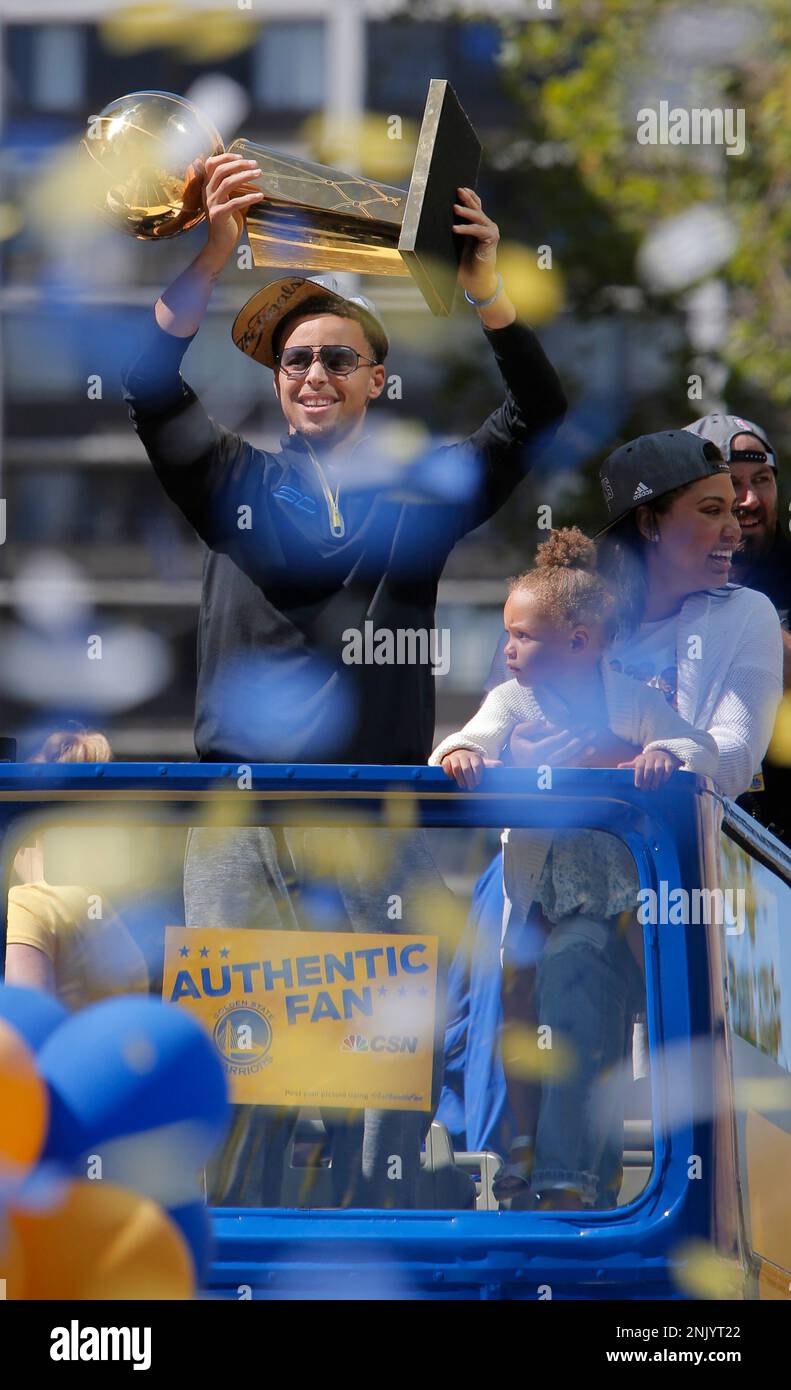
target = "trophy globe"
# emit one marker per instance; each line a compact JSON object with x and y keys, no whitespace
{"x":146,"y":152}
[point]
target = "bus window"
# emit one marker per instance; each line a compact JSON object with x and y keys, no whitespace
{"x":396,"y":1032}
{"x":759,"y":1003}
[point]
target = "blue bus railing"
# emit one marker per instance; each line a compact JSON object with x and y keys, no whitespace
{"x":630,"y":1251}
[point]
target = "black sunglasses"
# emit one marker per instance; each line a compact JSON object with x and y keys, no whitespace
{"x":335,"y":358}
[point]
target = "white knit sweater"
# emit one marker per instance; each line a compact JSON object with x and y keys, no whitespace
{"x":729,"y":677}
{"x":729,"y":683}
{"x":733,"y":688}
{"x":638,"y":713}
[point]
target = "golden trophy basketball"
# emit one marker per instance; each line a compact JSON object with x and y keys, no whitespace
{"x":146,"y":151}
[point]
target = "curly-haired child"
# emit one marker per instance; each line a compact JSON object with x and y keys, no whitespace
{"x":569,"y":891}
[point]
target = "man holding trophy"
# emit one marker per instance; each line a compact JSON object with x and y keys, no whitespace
{"x":303,"y":546}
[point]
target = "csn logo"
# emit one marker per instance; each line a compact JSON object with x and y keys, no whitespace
{"x":243,"y":1035}
{"x":355,"y":1042}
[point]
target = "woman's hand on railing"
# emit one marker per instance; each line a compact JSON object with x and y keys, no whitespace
{"x":608,"y":750}
{"x":539,"y":743}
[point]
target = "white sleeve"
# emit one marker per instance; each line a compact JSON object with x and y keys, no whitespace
{"x":488,"y":729}
{"x":743,"y":718}
{"x":741,"y":722}
{"x":663,"y":728}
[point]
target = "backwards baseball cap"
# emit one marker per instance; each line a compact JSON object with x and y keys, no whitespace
{"x":257,"y":320}
{"x":645,"y":468}
{"x":723,"y":429}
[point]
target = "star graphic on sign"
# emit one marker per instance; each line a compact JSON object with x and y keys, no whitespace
{"x":224,"y":953}
{"x":382,"y":991}
{"x":185,"y":950}
{"x":423,"y":991}
{"x":204,"y":951}
{"x":402,"y":992}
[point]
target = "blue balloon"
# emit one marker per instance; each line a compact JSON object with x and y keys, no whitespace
{"x":32,"y":1012}
{"x":194,"y":1222}
{"x":126,"y":1066}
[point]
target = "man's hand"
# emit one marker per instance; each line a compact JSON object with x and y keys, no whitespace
{"x":466,"y":766}
{"x":540,"y":743}
{"x":218,"y":183}
{"x":477,"y":268}
{"x":653,"y":768}
{"x":225,"y":201}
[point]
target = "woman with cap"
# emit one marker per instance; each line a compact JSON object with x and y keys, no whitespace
{"x":713,"y":648}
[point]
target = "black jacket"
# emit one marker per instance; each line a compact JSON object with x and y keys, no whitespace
{"x":285,"y":582}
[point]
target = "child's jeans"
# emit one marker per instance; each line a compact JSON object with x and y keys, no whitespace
{"x":588,"y":989}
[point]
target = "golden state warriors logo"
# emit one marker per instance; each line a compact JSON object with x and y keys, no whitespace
{"x":243,"y":1037}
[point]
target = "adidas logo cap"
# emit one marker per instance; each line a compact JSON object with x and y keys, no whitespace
{"x":647,"y":467}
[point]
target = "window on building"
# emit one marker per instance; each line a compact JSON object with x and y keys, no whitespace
{"x":289,"y":66}
{"x":58,"y":67}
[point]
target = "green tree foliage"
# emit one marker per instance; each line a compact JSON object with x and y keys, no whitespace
{"x":578,"y":73}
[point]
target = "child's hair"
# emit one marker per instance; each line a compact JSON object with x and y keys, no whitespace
{"x":74,"y":746}
{"x":565,"y":581}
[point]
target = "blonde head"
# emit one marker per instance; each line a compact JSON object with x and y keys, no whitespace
{"x":74,"y":746}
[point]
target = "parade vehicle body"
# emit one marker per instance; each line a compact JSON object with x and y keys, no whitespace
{"x":705,"y":1158}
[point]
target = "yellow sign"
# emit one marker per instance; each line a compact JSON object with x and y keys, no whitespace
{"x":332,"y":1019}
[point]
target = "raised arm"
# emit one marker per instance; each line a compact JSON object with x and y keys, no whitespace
{"x":498,"y":454}
{"x":190,"y":453}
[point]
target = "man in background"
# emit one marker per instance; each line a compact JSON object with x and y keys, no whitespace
{"x":763,"y":562}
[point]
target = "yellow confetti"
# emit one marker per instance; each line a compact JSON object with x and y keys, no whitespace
{"x":526,"y":1057}
{"x":780,"y":747}
{"x":196,"y":37}
{"x":705,"y":1274}
{"x":133,"y":28}
{"x":363,"y":144}
{"x":765,"y":1093}
{"x":12,"y":220}
{"x":536,"y":294}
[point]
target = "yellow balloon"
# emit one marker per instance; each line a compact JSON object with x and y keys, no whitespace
{"x":101,"y":1242}
{"x":24,"y":1104}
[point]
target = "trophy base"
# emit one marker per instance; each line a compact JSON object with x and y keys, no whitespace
{"x":314,"y":217}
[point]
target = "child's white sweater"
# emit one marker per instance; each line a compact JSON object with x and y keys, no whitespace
{"x":638,"y":713}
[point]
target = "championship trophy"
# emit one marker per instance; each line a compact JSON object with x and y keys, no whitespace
{"x":146,"y":151}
